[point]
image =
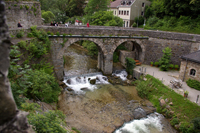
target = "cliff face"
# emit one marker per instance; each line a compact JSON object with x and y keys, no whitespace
{"x":12,"y":120}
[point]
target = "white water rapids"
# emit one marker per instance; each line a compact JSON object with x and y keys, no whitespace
{"x":151,"y":124}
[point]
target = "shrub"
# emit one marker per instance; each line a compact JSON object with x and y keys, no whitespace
{"x":43,"y":86}
{"x":151,"y":63}
{"x":164,"y":61}
{"x":193,"y":84}
{"x":30,"y":35}
{"x":174,"y":121}
{"x":22,"y":44}
{"x":176,"y":66}
{"x":115,"y":57}
{"x":143,"y":88}
{"x":57,"y":33}
{"x":196,"y":123}
{"x":20,"y":34}
{"x":171,"y":66}
{"x":47,"y":122}
{"x":130,"y":64}
{"x":156,"y":63}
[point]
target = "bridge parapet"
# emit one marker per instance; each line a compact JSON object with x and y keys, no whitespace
{"x":119,"y":31}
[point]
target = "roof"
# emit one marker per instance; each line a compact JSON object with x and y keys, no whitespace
{"x":115,"y":3}
{"x":194,"y":57}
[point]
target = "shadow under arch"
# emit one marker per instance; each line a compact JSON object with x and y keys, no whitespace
{"x":138,"y":48}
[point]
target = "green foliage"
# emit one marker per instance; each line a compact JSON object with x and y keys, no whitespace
{"x":30,"y":35}
{"x":20,"y":34}
{"x":143,"y":88}
{"x":134,"y":24}
{"x":171,"y":66}
{"x":22,"y":44}
{"x":156,"y":63}
{"x":75,"y":8}
{"x":94,"y":6}
{"x":151,"y":63}
{"x":130,"y":64}
{"x":164,"y":61}
{"x":115,"y":57}
{"x":57,"y":33}
{"x":174,"y":121}
{"x":176,"y":66}
{"x":196,"y":123}
{"x":104,"y":18}
{"x":182,"y":109}
{"x":27,"y":7}
{"x":91,"y":47}
{"x":43,"y":86}
{"x":48,"y":16}
{"x":193,"y":84}
{"x":140,"y":21}
{"x":76,"y":130}
{"x":51,"y":121}
{"x":46,"y":67}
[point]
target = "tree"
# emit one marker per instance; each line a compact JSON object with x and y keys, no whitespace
{"x":48,"y":16}
{"x":96,"y":5}
{"x":105,"y":18}
{"x":130,"y":64}
{"x":165,"y":60}
{"x":75,"y":8}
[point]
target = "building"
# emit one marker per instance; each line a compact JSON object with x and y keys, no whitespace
{"x":128,"y":10}
{"x":190,"y":66}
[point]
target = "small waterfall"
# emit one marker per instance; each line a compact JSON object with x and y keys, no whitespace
{"x":121,"y":73}
{"x":151,"y":124}
{"x":79,"y":83}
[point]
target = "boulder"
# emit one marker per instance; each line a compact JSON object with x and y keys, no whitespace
{"x":69,"y":89}
{"x":78,"y":79}
{"x":69,"y":81}
{"x":93,"y":81}
{"x":171,"y":104}
{"x":85,"y":89}
{"x":61,"y":83}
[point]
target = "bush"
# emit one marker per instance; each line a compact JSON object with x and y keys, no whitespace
{"x":43,"y":86}
{"x":171,"y":66}
{"x":156,"y":63}
{"x":47,"y":122}
{"x":174,"y":121}
{"x":196,"y":123}
{"x":22,"y":44}
{"x":143,"y":88}
{"x":164,"y":61}
{"x":151,"y":63}
{"x":176,"y":66}
{"x":115,"y":57}
{"x":193,"y":84}
{"x":20,"y":34}
{"x":130,"y":64}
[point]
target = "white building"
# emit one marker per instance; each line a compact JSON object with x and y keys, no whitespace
{"x":128,"y":10}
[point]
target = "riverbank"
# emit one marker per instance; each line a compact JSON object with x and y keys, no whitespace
{"x":179,"y":110}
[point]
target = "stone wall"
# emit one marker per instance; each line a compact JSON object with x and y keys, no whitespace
{"x":27,"y":12}
{"x":186,"y":70}
{"x":124,"y":54}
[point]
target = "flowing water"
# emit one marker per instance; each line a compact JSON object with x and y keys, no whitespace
{"x":102,"y":107}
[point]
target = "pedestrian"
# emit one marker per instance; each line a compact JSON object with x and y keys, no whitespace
{"x":52,"y":23}
{"x":19,"y":25}
{"x":88,"y":25}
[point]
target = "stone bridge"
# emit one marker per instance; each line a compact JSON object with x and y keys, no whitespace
{"x":147,"y":44}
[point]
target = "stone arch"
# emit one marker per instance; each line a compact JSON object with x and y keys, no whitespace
{"x":139,"y":45}
{"x":73,"y":40}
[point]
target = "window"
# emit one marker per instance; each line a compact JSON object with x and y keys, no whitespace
{"x":127,"y":12}
{"x":142,"y":13}
{"x":115,"y":12}
{"x":192,"y":72}
{"x":124,"y":12}
{"x":119,"y":12}
{"x":142,"y":4}
{"x":127,"y":24}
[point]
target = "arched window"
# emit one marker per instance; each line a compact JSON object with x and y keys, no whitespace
{"x":192,"y":72}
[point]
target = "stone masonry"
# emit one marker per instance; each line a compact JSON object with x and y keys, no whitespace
{"x":27,"y":12}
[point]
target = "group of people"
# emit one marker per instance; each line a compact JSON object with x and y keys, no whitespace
{"x":54,"y":23}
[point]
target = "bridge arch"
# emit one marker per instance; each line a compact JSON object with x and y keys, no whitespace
{"x":98,"y":43}
{"x":137,"y":44}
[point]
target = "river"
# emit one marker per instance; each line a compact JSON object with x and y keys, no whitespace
{"x":103,"y":107}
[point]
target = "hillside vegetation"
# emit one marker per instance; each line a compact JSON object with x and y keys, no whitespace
{"x":173,"y":15}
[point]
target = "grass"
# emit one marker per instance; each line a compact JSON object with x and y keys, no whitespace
{"x":184,"y":110}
